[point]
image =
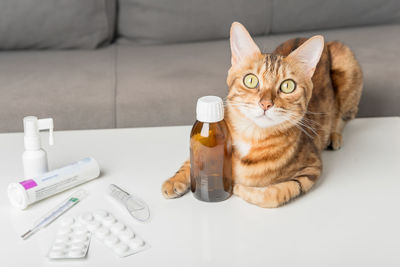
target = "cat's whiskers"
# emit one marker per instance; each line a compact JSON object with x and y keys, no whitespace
{"x":247,"y":108}
{"x":299,"y":123}
{"x":293,"y":122}
{"x":237,"y":102}
{"x":311,"y":121}
{"x":306,"y":125}
{"x":316,"y":113}
{"x":306,"y":121}
{"x":244,"y":106}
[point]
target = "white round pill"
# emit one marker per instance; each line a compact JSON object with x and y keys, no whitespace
{"x":67,"y":222}
{"x":126,"y":235}
{"x":59,"y":246}
{"x":100,"y":214}
{"x":117,"y":227}
{"x":111,"y":240}
{"x":80,"y":230}
{"x":120,"y":248}
{"x":136,"y":243}
{"x":109,"y":220}
{"x":86,"y":217}
{"x":76,"y":253}
{"x":56,"y":253}
{"x":62,"y":239}
{"x":64,"y":231}
{"x":78,"y":245}
{"x":93,"y":225}
{"x":102,"y":232}
{"x":79,"y":238}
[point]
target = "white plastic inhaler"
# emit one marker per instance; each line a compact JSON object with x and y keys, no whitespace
{"x":34,"y":158}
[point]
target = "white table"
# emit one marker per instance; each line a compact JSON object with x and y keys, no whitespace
{"x":351,"y":217}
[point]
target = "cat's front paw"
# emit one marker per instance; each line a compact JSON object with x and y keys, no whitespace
{"x":336,"y":141}
{"x":236,"y":189}
{"x":174,"y":189}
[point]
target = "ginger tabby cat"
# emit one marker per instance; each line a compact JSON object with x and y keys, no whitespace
{"x":282,"y":110}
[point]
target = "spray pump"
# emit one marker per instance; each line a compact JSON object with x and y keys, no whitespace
{"x":34,"y":158}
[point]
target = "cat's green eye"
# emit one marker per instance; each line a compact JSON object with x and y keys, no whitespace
{"x":251,"y":81}
{"x":288,"y":86}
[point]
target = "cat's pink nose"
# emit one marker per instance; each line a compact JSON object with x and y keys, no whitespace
{"x":265,"y":104}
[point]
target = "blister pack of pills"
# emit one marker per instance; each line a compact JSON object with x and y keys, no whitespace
{"x":71,"y":242}
{"x":113,"y":233}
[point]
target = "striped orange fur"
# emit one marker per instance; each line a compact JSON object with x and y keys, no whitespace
{"x":278,"y":137}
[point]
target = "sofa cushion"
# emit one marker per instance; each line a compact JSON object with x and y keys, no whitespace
{"x":155,"y":21}
{"x":56,"y":23}
{"x":306,"y":15}
{"x":159,"y":85}
{"x":76,"y":88}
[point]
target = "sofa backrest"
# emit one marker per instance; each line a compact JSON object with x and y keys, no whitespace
{"x":89,"y":24}
{"x":306,"y":15}
{"x":155,"y":21}
{"x":56,"y":23}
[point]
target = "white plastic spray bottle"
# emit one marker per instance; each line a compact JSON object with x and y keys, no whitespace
{"x":34,"y":158}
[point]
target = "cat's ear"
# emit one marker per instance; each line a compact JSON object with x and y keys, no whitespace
{"x":309,"y":53}
{"x":242,"y":45}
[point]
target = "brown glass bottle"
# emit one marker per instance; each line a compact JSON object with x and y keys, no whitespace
{"x":211,"y":160}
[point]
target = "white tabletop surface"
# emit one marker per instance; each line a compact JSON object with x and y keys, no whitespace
{"x":350,"y":218}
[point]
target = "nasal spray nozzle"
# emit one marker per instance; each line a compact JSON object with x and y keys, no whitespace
{"x":32,"y":126}
{"x":47,"y":124}
{"x":35,"y":158}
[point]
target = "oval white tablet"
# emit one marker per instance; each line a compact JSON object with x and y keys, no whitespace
{"x":62,"y":239}
{"x":79,"y":238}
{"x":117,"y":227}
{"x":126,"y":235}
{"x":109,"y":220}
{"x":80,"y":230}
{"x":93,"y":225}
{"x":59,"y":246}
{"x":64,"y":231}
{"x":67,"y":222}
{"x":100,"y":214}
{"x":102,"y":232}
{"x":56,"y":253}
{"x":78,"y":245}
{"x":111,"y":240}
{"x":76,"y":253}
{"x":86,"y":217}
{"x":136,"y":243}
{"x":120,"y":248}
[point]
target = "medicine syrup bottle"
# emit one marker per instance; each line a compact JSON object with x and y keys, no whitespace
{"x":210,"y":152}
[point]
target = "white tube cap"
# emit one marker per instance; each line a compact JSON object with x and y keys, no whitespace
{"x":17,"y":195}
{"x":210,"y":109}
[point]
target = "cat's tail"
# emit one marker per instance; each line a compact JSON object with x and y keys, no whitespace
{"x":347,"y":81}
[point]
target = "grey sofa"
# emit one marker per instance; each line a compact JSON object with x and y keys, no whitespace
{"x":133,"y":63}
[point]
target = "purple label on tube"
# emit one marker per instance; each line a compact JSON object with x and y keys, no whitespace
{"x":28,"y":184}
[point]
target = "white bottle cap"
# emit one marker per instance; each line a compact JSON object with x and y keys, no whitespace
{"x":210,"y":109}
